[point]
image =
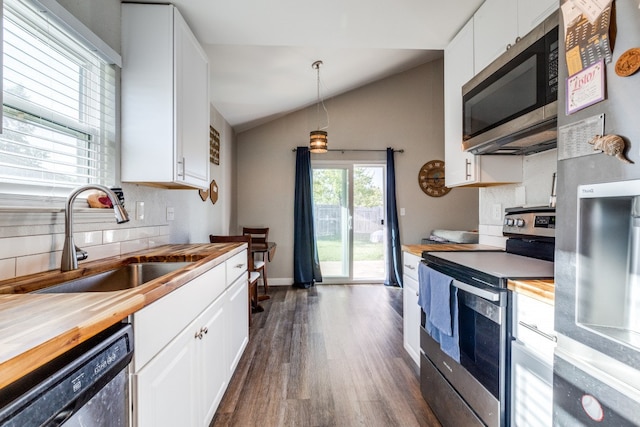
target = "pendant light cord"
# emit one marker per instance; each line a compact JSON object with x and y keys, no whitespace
{"x":318,"y":103}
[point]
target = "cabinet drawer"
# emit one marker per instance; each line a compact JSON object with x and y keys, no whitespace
{"x":236,"y":265}
{"x":157,"y":324}
{"x":410,"y":265}
{"x":533,"y":324}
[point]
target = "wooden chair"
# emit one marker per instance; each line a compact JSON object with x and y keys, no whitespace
{"x":253,"y":275}
{"x":259,"y":238}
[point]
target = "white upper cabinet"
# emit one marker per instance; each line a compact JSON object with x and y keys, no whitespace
{"x":463,"y":168}
{"x":458,"y":66}
{"x":495,"y":26}
{"x":165,"y":99}
{"x":500,"y":23}
{"x":533,"y":12}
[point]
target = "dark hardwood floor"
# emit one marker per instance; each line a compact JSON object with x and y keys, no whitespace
{"x":328,"y":356}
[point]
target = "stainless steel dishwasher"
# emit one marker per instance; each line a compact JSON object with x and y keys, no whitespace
{"x":86,"y":386}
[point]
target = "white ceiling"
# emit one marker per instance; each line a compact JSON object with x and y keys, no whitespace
{"x":261,"y":51}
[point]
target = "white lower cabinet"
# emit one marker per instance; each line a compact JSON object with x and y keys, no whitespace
{"x":185,"y":354}
{"x":164,"y":392}
{"x":237,"y":303}
{"x":214,"y":379}
{"x":410,"y":307}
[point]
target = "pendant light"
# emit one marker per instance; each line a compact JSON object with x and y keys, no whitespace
{"x":318,"y":138}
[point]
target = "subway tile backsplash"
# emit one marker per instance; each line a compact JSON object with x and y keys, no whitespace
{"x":28,"y":249}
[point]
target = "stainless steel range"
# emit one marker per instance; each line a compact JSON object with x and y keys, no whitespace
{"x":465,"y":370}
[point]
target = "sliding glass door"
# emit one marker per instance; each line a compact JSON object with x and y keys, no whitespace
{"x":349,"y":213}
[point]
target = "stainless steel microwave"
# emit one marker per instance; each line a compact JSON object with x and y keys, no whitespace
{"x":511,"y":106}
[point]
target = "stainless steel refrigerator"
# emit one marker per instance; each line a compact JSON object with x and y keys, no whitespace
{"x":597,"y":259}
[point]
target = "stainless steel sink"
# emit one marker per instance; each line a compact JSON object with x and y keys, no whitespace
{"x":125,"y":277}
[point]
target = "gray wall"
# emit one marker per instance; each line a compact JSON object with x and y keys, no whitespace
{"x":403,"y":111}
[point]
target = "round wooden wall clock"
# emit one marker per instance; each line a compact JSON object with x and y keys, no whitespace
{"x":431,"y":179}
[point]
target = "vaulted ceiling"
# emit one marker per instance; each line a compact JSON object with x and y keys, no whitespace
{"x":261,"y":51}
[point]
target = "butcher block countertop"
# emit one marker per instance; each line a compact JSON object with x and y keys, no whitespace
{"x":36,"y":328}
{"x":447,"y":247}
{"x":542,"y":290}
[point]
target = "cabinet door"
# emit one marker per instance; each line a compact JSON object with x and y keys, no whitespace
{"x":212,"y":358}
{"x":238,"y":306}
{"x":533,"y":12}
{"x":458,"y":65}
{"x":462,"y":168}
{"x":192,"y":107}
{"x":495,"y":26}
{"x":147,"y":153}
{"x":164,"y":390}
{"x":411,"y":318}
{"x":165,"y":99}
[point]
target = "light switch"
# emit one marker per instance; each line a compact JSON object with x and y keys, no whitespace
{"x":170,"y":214}
{"x":401,"y":211}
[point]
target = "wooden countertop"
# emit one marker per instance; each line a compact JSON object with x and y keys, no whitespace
{"x":36,"y":328}
{"x":542,"y":290}
{"x":447,"y":247}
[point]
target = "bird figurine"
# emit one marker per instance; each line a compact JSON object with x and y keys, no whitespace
{"x":611,"y":145}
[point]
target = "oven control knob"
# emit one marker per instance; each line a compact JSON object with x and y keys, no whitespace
{"x":508,"y":222}
{"x":520,"y":222}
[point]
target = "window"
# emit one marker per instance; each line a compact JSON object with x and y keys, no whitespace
{"x":59,"y":118}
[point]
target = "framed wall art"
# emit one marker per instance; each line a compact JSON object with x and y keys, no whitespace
{"x":214,"y":146}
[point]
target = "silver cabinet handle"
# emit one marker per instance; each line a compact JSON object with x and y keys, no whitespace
{"x":239,"y":265}
{"x":467,"y":169}
{"x":200,"y":334}
{"x":534,"y":328}
{"x":410,"y":267}
{"x":184,"y":168}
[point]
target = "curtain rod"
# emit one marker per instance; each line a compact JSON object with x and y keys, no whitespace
{"x":356,"y":149}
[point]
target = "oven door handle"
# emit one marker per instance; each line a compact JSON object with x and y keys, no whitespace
{"x":482,"y":293}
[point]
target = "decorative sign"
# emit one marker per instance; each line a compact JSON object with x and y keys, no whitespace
{"x":585,"y":88}
{"x":214,"y":146}
{"x":213,"y":191}
{"x":204,"y":194}
{"x":431,"y":179}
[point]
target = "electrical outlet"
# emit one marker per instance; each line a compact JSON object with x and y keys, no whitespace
{"x":170,"y":214}
{"x":496,"y":211}
{"x":402,"y":212}
{"x":139,"y":211}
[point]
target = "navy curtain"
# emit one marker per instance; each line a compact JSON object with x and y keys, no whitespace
{"x":306,"y":267}
{"x":394,"y":260}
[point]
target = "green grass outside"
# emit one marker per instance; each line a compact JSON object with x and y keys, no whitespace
{"x":331,"y":250}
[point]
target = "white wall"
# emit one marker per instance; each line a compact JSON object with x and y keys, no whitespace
{"x":404,"y":111}
{"x":31,"y":239}
{"x":535,"y":190}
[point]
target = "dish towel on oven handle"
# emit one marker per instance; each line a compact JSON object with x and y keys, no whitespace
{"x":441,"y":309}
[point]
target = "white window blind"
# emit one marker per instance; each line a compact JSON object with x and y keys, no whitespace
{"x":59,"y":118}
